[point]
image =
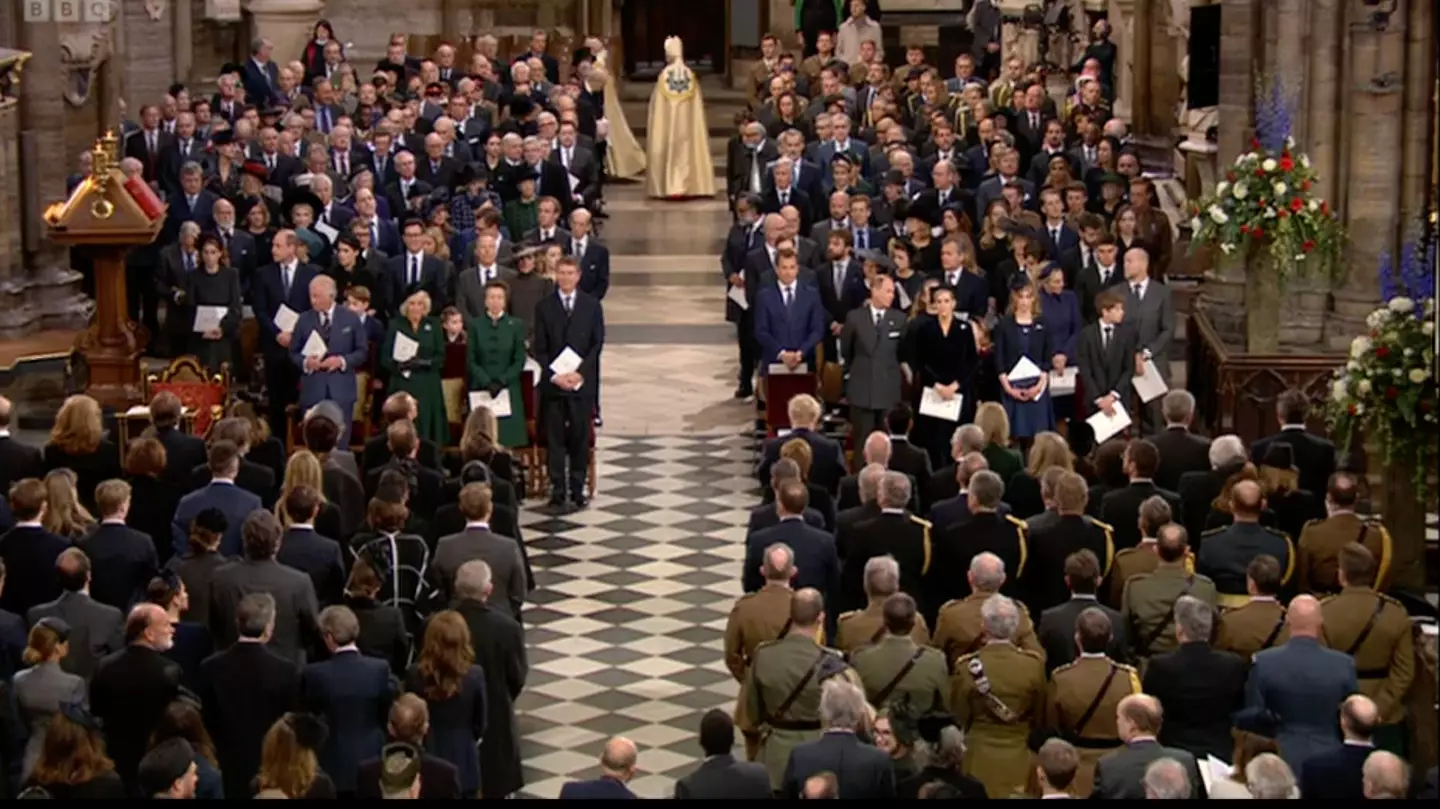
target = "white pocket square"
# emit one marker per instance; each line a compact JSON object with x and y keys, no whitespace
{"x":345,"y":330}
{"x":894,"y":334}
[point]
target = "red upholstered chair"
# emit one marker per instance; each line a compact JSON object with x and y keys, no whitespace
{"x":205,"y":395}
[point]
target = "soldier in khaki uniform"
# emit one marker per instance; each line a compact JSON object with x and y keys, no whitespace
{"x":959,"y":630}
{"x":782,"y":687}
{"x":825,"y":54}
{"x":1321,"y":540}
{"x":858,"y":628}
{"x":1374,"y":629}
{"x":756,"y":618}
{"x":1085,"y":694}
{"x":1131,"y":562}
{"x":896,"y":667}
{"x":1260,"y":623}
{"x":998,"y":697}
{"x":1148,"y":604}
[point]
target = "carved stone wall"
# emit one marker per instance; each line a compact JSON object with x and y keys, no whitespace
{"x":212,"y":44}
{"x":148,"y":56}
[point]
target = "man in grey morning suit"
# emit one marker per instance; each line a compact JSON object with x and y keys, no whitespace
{"x":95,"y":629}
{"x":870,"y":345}
{"x":296,"y":630}
{"x":470,"y":286}
{"x":1148,"y":308}
{"x":477,"y":541}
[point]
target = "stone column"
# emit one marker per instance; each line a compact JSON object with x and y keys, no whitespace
{"x":1372,"y":193}
{"x":14,"y":316}
{"x":1121,"y":16}
{"x":149,"y":57}
{"x":1015,"y":40}
{"x":1141,"y":23}
{"x":183,"y":21}
{"x":1419,"y":127}
{"x":287,"y":24}
{"x":1322,"y":120}
{"x":362,"y":23}
{"x":1291,"y":60}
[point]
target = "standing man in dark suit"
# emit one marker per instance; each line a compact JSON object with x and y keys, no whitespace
{"x":1297,"y":686}
{"x":246,"y":689}
{"x":407,"y":727}
{"x":592,"y":256}
{"x":813,"y":549}
{"x":183,"y":452}
{"x":29,"y":551}
{"x":220,"y":493}
{"x":827,"y":464}
{"x":124,"y":559}
{"x":1121,"y":508}
{"x":1057,"y":630}
{"x":1181,"y":451}
{"x":1338,"y":774}
{"x":499,"y":643}
{"x":353,"y":693}
{"x":617,"y":767}
{"x":285,"y":282}
{"x":133,"y":686}
{"x":870,"y":345}
{"x":413,"y":269}
{"x":863,"y":772}
{"x":1053,"y":541}
{"x":149,"y":143}
{"x":18,"y":460}
{"x":185,"y":147}
{"x":789,"y":319}
{"x":260,"y":76}
{"x":743,"y":263}
{"x":783,"y":192}
{"x":328,"y":375}
{"x":306,"y":550}
{"x":841,"y":280}
{"x":1099,"y":274}
{"x":1314,"y":456}
{"x":259,"y":572}
{"x":1199,"y":686}
{"x":720,"y":775}
{"x":500,"y":553}
{"x":1149,"y":307}
{"x":96,"y":629}
{"x":1121,"y":774}
{"x":569,"y":334}
{"x":905,"y":456}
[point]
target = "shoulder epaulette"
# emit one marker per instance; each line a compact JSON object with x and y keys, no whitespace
{"x":1064,"y":666}
{"x":947,"y":604}
{"x":1276,"y":531}
{"x":1032,"y":653}
{"x":966,"y":656}
{"x":1214,"y":531}
{"x":1016,"y":521}
{"x":920,"y":521}
{"x":1103,"y":525}
{"x":1392,"y":600}
{"x":850,"y":614}
{"x":1124,"y":666}
{"x":1317,"y":521}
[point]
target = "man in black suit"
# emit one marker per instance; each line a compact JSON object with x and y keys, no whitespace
{"x":258,"y":572}
{"x":1314,"y":456}
{"x":905,"y":456}
{"x":399,"y":406}
{"x":246,"y":689}
{"x":283,"y":282}
{"x":1199,"y":686}
{"x":812,"y":548}
{"x":784,"y":193}
{"x":953,"y":511}
{"x":499,"y":642}
{"x":436,"y":169}
{"x":29,"y":551}
{"x":258,"y":479}
{"x":875,"y":451}
{"x":1057,"y":624}
{"x":427,"y":486}
{"x":183,"y":452}
{"x":720,"y":775}
{"x":1121,"y":508}
{"x":1181,"y":451}
{"x":745,"y":171}
{"x":743,"y":262}
{"x":409,"y":723}
{"x":133,"y":686}
{"x":304,"y":549}
{"x":863,"y":772}
{"x":149,"y":143}
{"x":1338,"y":774}
{"x":569,"y":334}
{"x":405,"y":185}
{"x":592,"y":256}
{"x":18,"y":460}
{"x":413,"y":270}
{"x":1053,"y":541}
{"x":353,"y":693}
{"x":185,"y":146}
{"x":767,"y":515}
{"x":123,"y":559}
{"x":827,"y":463}
{"x":1106,"y":351}
{"x":96,"y":629}
{"x":945,"y":482}
{"x":1198,"y":490}
{"x":281,"y":167}
{"x":1121,"y":774}
{"x":260,"y":76}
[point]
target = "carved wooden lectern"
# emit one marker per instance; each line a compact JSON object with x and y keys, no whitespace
{"x":109,"y":215}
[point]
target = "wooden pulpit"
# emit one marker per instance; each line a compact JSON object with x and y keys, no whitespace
{"x":109,"y":214}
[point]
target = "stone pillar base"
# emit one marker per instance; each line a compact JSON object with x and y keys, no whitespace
{"x":286,"y":23}
{"x":1347,"y":320}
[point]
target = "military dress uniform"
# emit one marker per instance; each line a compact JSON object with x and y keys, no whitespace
{"x":897,"y":668}
{"x":960,"y":629}
{"x":782,"y":693}
{"x":1148,"y":605}
{"x":756,"y":618}
{"x":896,"y":533}
{"x":1131,"y":562}
{"x":1375,"y":629}
{"x":1254,"y":627}
{"x":858,"y":628}
{"x":1319,"y":551}
{"x":998,"y":697}
{"x":1226,"y":554}
{"x":1081,"y":707}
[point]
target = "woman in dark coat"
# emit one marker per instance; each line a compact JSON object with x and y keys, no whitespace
{"x":78,"y":442}
{"x":454,"y":689}
{"x":1061,"y":310}
{"x":214,"y":285}
{"x":152,"y":499}
{"x":419,"y":375}
{"x":1023,"y":333}
{"x":382,"y":626}
{"x":947,"y":356}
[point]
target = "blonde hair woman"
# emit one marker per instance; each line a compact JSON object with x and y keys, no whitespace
{"x":1023,"y":491}
{"x":992,"y":420}
{"x":288,"y":763}
{"x":480,"y":441}
{"x":419,"y":376}
{"x":305,"y":469}
{"x":77,"y":442}
{"x":64,"y":515}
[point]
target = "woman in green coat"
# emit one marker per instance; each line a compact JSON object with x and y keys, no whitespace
{"x":497,"y":358}
{"x":419,"y":376}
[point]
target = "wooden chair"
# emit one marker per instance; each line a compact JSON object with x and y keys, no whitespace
{"x":362,"y":427}
{"x":204,"y":393}
{"x":455,"y":385}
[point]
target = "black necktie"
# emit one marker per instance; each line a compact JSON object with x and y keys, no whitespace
{"x":789,"y":297}
{"x":1136,"y":289}
{"x":287,"y":278}
{"x":1105,"y":277}
{"x":325,"y":325}
{"x":862,"y":238}
{"x":1055,"y":236}
{"x":414,"y":270}
{"x":1105,"y":336}
{"x":569,"y":304}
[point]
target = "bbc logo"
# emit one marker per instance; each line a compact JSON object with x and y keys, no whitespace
{"x":69,"y":10}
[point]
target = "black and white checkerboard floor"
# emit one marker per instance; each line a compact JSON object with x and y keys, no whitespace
{"x":625,"y":629}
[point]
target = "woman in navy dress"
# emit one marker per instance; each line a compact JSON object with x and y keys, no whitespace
{"x":1061,"y":310}
{"x":454,"y":689}
{"x":1023,"y":333}
{"x":946,"y":356}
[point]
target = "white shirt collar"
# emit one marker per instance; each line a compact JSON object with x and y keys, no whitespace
{"x":1299,"y":427}
{"x":1094,"y":655}
{"x":225,"y":481}
{"x":477,"y":526}
{"x":349,"y":647}
{"x":1270,"y":599}
{"x":1083,"y":596}
{"x":112,"y":521}
{"x":412,"y":256}
{"x":29,"y":524}
{"x":302,"y":526}
{"x":4,"y":432}
{"x":1359,"y":743}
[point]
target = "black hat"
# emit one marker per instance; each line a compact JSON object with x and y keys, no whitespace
{"x":224,"y":137}
{"x":1049,"y":269}
{"x":1279,"y":456}
{"x":230,"y":67}
{"x":525,"y":172}
{"x":56,"y":624}
{"x":212,"y":520}
{"x":582,"y":54}
{"x":399,"y":767}
{"x":924,"y":210}
{"x":417,"y":191}
{"x":521,"y":106}
{"x":166,"y":763}
{"x":358,"y":168}
{"x":1019,"y":281}
{"x":894,"y":177}
{"x":476,"y":471}
{"x":471,"y":172}
{"x":843,"y":157}
{"x":300,"y":196}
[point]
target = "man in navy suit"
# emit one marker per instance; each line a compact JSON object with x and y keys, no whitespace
{"x":329,"y":376}
{"x":283,"y":282}
{"x":789,"y":318}
{"x":1338,"y":774}
{"x":124,"y":559}
{"x":1298,"y":685}
{"x":221,"y":493}
{"x":812,"y":550}
{"x":1058,"y":237}
{"x":306,"y":550}
{"x":353,"y":693}
{"x":574,"y":321}
{"x":617,"y":765}
{"x":28,"y":551}
{"x":413,"y":269}
{"x":593,"y":257}
{"x":260,"y":76}
{"x":720,"y":775}
{"x":192,"y":201}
